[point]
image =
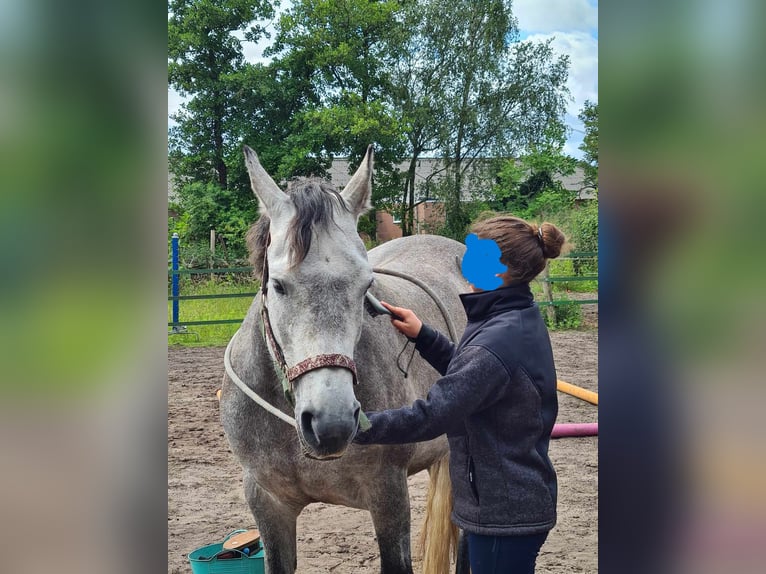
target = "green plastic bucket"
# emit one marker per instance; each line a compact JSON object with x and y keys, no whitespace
{"x":205,"y":560}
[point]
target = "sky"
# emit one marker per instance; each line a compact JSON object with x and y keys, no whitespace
{"x":573,"y":25}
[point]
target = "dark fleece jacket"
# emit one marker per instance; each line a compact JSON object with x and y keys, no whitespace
{"x":497,"y":403}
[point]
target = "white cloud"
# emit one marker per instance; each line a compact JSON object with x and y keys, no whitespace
{"x":553,"y":15}
{"x":582,"y":50}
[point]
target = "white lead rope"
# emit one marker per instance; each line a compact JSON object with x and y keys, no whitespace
{"x":250,"y":392}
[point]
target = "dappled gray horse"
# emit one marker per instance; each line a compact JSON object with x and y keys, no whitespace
{"x":309,"y":331}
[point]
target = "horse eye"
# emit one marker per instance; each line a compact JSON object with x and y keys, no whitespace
{"x":278,"y":287}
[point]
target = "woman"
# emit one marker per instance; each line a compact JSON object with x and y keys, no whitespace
{"x":496,"y":401}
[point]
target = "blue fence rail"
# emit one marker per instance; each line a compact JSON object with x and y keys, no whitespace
{"x":178,"y":326}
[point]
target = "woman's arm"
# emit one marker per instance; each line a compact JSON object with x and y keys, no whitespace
{"x":434,"y":347}
{"x":475,"y":380}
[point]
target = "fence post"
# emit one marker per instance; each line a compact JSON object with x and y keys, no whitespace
{"x":212,"y":241}
{"x":174,"y":283}
{"x":548,"y":292}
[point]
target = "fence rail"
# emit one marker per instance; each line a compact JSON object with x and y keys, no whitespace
{"x":175,"y":297}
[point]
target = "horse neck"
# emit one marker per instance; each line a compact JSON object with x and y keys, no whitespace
{"x":262,"y":369}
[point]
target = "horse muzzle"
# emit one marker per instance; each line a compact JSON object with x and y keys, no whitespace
{"x":325,"y":434}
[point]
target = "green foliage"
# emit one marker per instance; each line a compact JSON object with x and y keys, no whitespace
{"x":229,"y":212}
{"x":567,"y":316}
{"x":584,"y":235}
{"x":529,"y":187}
{"x":589,"y":146}
{"x":343,"y":52}
{"x":197,"y":255}
{"x":178,"y":224}
{"x":367,"y":224}
{"x":204,"y":60}
{"x":568,"y":267}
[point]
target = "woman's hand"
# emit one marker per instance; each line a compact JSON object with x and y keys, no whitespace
{"x":410,"y":325}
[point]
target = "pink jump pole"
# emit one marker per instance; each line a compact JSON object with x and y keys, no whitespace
{"x":564,"y":430}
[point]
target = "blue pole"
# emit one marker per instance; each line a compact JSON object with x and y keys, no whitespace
{"x":175,"y":290}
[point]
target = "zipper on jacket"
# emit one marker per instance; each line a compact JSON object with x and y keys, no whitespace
{"x":472,"y":478}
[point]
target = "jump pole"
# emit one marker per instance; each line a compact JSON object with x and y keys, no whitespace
{"x":567,"y":430}
{"x":578,"y":392}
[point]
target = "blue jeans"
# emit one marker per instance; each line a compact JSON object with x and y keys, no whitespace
{"x":504,"y":554}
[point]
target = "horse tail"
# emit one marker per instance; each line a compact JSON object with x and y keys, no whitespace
{"x":438,"y":536}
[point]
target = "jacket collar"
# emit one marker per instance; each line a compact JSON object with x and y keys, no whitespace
{"x":484,"y":304}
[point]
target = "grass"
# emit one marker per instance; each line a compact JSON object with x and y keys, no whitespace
{"x":212,"y":309}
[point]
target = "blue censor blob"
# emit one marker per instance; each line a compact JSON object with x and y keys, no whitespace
{"x":481,"y":263}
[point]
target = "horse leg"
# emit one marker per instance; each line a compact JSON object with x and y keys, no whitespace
{"x":390,"y":511}
{"x":277,"y":524}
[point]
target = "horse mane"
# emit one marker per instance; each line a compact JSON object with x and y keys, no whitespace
{"x":314,"y":201}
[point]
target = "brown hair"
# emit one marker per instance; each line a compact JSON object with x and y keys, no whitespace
{"x":524,"y":247}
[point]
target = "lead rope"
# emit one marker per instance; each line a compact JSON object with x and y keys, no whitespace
{"x":250,"y":392}
{"x":434,"y":298}
{"x":427,"y":289}
{"x":406,"y":369}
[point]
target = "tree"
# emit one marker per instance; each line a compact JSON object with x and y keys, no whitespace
{"x":203,"y":57}
{"x":204,"y":64}
{"x":348,"y":49}
{"x":418,"y":78}
{"x":498,"y":95}
{"x":589,"y":146}
{"x":530,"y":186}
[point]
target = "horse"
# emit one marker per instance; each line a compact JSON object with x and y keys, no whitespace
{"x":310,"y":350}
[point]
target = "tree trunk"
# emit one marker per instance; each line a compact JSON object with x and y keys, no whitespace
{"x":403,"y":210}
{"x":410,"y":191}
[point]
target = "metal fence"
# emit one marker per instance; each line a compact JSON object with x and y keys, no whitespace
{"x":177,"y":325}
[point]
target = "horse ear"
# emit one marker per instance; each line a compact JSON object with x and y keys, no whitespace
{"x":268,"y":193}
{"x":358,"y":190}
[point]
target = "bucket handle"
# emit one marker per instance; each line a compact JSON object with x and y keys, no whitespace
{"x":240,"y":531}
{"x":223,"y":551}
{"x":243,"y":555}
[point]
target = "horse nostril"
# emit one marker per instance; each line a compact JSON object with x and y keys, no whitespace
{"x":307,"y":424}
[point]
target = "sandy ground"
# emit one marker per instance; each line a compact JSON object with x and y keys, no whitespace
{"x":206,"y":501}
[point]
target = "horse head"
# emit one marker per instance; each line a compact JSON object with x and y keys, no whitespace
{"x":317,"y":274}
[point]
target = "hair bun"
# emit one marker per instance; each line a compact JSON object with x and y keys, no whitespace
{"x":552,"y":240}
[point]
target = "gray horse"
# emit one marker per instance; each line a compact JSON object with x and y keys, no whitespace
{"x":307,"y":340}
